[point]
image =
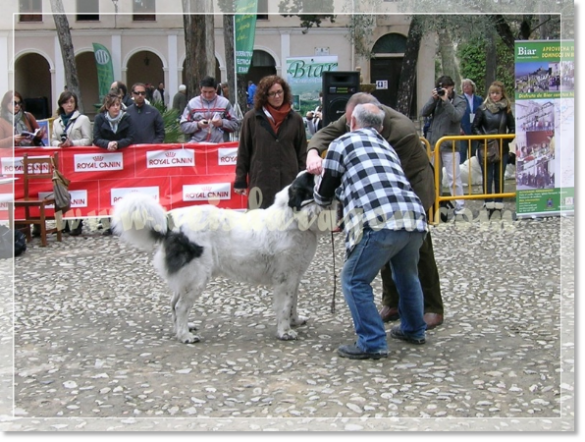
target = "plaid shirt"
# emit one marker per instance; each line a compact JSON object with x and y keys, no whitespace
{"x":371,"y":185}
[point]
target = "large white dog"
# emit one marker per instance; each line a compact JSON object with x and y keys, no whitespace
{"x":272,"y":247}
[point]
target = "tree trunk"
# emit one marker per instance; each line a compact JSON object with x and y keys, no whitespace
{"x":490,"y":60}
{"x":407,"y":82}
{"x":196,"y":61}
{"x":67,"y":50}
{"x":228,"y":32}
{"x":448,"y":59}
{"x":209,"y":40}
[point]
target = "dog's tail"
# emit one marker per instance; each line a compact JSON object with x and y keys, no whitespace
{"x":140,"y":220}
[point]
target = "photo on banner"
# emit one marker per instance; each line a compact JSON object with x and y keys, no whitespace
{"x":303,"y":75}
{"x":545,"y":95}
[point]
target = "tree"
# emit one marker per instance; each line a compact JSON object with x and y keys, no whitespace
{"x":407,"y":79}
{"x":199,"y":42}
{"x":67,"y":50}
{"x":311,"y":12}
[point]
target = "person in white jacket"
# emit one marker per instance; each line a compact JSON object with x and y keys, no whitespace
{"x":70,"y":128}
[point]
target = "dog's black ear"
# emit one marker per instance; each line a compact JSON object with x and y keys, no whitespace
{"x":301,"y":190}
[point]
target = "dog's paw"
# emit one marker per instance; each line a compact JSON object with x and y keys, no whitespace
{"x":188,"y":338}
{"x":289,"y":335}
{"x":299,"y":320}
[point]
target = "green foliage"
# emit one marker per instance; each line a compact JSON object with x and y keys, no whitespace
{"x":173,"y":133}
{"x":473,"y":64}
{"x":303,"y":10}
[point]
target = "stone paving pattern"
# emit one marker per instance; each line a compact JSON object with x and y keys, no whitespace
{"x":94,"y":350}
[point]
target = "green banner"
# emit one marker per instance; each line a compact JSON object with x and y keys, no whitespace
{"x":245,"y":30}
{"x":545,"y":127}
{"x":105,"y":70}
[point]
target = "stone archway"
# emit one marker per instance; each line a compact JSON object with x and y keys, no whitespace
{"x":88,"y":83}
{"x":32,"y":79}
{"x":144,"y":67}
{"x":386,"y":65}
{"x":262,"y":65}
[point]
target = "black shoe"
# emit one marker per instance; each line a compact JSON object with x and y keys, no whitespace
{"x":354,"y":352}
{"x":77,"y":230}
{"x":396,"y":333}
{"x":107,"y":232}
{"x":36,"y":230}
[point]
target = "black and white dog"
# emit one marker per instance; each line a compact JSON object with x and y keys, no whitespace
{"x":272,"y":247}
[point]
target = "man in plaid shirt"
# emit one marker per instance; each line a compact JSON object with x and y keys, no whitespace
{"x":384,"y":222}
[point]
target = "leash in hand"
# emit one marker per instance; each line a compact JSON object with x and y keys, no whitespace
{"x":334,"y":273}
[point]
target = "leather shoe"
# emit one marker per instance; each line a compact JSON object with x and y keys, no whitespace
{"x":389,"y":314}
{"x":433,"y":319}
{"x":354,"y":352}
{"x":397,"y":333}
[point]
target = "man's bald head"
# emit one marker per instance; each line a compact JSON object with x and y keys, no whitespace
{"x":367,"y":115}
{"x":358,"y":98}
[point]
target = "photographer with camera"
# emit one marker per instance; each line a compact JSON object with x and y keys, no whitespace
{"x":447,"y":110}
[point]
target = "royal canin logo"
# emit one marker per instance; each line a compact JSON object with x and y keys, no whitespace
{"x":170,"y":154}
{"x":98,"y":158}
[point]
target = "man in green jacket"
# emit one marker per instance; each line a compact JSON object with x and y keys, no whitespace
{"x":401,"y":133}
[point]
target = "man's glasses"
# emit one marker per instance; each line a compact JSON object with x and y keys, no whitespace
{"x":139,"y":92}
{"x":17,"y":103}
{"x":276,"y":93}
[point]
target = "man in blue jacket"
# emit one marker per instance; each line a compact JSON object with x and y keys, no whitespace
{"x":150,"y":128}
{"x":473,"y":102}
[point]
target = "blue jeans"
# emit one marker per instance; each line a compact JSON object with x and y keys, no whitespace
{"x":493,"y":176}
{"x":376,"y":248}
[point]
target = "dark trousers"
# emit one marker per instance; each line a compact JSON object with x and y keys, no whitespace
{"x":428,"y":275}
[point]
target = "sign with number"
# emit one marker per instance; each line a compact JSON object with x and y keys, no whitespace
{"x":381,"y":84}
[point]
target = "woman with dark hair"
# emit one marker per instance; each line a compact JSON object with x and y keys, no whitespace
{"x":273,"y":144}
{"x":112,"y":128}
{"x":24,"y":123}
{"x":71,"y":128}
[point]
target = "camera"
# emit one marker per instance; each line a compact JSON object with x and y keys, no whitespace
{"x":63,"y":137}
{"x":440,"y":90}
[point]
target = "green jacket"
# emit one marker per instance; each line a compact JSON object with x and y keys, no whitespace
{"x":401,"y":133}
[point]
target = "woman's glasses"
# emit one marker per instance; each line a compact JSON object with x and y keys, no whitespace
{"x":139,"y":92}
{"x":276,"y":93}
{"x":17,"y":103}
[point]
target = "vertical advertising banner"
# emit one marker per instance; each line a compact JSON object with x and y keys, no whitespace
{"x":245,"y":30}
{"x":303,"y":74}
{"x":545,"y":127}
{"x":105,"y":70}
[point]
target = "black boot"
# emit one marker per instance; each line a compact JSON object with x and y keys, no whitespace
{"x":77,"y":230}
{"x":36,"y":230}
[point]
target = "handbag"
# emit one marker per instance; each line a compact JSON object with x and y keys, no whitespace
{"x":492,"y":150}
{"x":60,"y":190}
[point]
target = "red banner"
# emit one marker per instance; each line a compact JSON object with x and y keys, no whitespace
{"x":176,"y":175}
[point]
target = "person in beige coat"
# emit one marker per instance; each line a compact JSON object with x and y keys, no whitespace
{"x":70,"y":128}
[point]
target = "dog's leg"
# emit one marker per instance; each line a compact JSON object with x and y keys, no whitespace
{"x":181,"y":306}
{"x":283,"y":308}
{"x":295,"y":318}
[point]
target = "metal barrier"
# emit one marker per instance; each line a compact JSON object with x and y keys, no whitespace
{"x":454,"y":139}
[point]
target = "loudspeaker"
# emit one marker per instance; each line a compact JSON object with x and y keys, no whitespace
{"x":337,"y":88}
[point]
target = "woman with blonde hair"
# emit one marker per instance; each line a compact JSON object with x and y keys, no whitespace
{"x":495,"y":116}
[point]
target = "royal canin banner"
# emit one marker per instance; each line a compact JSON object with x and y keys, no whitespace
{"x":175,"y":175}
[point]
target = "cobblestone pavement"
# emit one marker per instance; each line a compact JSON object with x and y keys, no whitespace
{"x":93,"y":347}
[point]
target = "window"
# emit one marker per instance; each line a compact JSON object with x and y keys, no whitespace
{"x":30,"y":10}
{"x":88,"y":10}
{"x":144,"y":10}
{"x":262,"y":10}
